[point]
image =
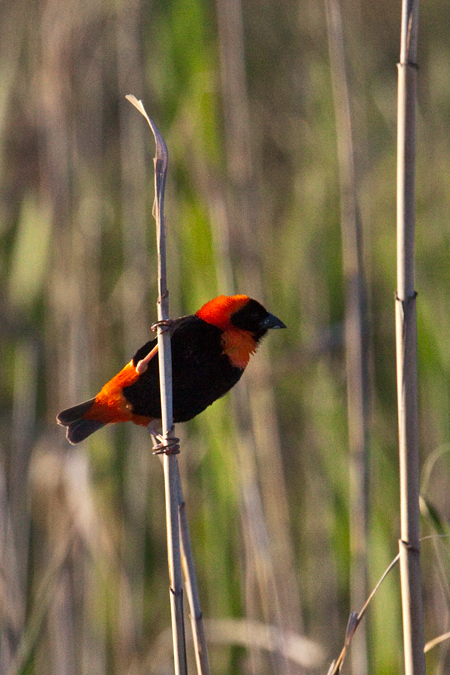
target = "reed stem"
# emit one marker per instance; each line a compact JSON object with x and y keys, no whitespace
{"x":406,"y":337}
{"x":170,"y":461}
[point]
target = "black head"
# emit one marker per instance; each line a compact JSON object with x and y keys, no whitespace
{"x":254,"y":318}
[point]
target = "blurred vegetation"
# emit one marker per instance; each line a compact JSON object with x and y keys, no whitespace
{"x":242,"y":95}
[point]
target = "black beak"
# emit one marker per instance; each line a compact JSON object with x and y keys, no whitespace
{"x":271,"y":321}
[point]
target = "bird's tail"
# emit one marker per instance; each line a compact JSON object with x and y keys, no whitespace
{"x":78,"y":428}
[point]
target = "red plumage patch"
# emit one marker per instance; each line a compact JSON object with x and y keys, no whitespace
{"x":219,"y":310}
{"x":111,"y":405}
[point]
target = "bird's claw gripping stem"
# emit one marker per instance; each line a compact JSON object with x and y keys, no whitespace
{"x":142,"y":365}
{"x":165,"y":323}
{"x":165,"y":446}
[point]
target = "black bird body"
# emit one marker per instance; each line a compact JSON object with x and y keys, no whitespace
{"x":210,"y":351}
{"x":201,"y":372}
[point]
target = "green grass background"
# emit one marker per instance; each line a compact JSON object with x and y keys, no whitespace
{"x":78,"y":293}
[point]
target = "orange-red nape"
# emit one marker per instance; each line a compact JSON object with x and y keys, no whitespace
{"x":111,"y":405}
{"x":219,"y":310}
{"x":238,"y":344}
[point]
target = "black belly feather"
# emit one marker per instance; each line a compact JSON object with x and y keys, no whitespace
{"x":201,"y":373}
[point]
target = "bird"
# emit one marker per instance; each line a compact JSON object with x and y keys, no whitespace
{"x":210,"y":350}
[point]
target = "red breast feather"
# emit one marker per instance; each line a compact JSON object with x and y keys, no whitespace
{"x":238,"y":344}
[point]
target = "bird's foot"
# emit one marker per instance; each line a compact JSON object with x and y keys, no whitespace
{"x":165,"y":324}
{"x":163,"y":445}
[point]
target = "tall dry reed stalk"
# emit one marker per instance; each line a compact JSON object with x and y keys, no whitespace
{"x":170,"y":462}
{"x":271,"y":583}
{"x":134,"y":286}
{"x":178,"y":535}
{"x":187,"y":557}
{"x":406,"y":339}
{"x":356,"y":328}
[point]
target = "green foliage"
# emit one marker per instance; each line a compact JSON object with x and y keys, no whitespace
{"x":66,"y":295}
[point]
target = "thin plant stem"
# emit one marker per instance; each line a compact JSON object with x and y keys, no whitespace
{"x":269,"y":558}
{"x":356,"y":618}
{"x":247,"y":633}
{"x":135,"y":317}
{"x":406,"y":339}
{"x":170,"y":461}
{"x":436,"y":641}
{"x":356,"y":330}
{"x":44,"y":597}
{"x":198,"y":628}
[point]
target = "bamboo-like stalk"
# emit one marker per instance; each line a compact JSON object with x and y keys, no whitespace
{"x":170,"y":462}
{"x":190,"y":580}
{"x":356,"y":353}
{"x":197,"y":625}
{"x":406,"y":338}
{"x":135,"y":317}
{"x":44,"y":598}
{"x":270,"y":568}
